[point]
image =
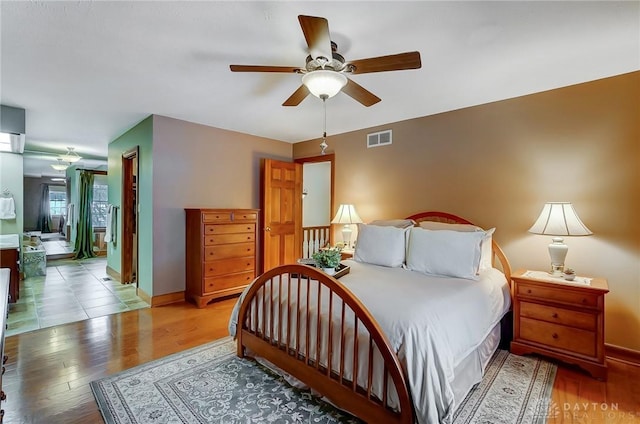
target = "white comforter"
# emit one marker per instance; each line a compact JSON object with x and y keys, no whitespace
{"x":432,"y":323}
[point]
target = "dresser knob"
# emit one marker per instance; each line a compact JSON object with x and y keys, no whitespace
{"x":5,"y":358}
{"x":3,"y":396}
{"x":529,"y":291}
{"x":554,"y":315}
{"x":584,"y":300}
{"x":554,"y":335}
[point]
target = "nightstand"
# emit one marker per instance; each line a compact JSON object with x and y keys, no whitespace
{"x":560,"y":319}
{"x":347,"y":253}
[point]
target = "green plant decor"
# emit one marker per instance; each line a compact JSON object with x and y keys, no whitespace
{"x":327,"y":258}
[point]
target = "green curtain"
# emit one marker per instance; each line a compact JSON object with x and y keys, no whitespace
{"x":84,"y":233}
{"x":44,"y":223}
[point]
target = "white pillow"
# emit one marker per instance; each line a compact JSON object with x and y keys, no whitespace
{"x":400,"y":223}
{"x":486,"y":253}
{"x":445,"y":253}
{"x":380,"y":245}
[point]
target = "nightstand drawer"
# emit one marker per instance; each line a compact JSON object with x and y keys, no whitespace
{"x":554,"y":294}
{"x":558,"y":336}
{"x":584,"y":320}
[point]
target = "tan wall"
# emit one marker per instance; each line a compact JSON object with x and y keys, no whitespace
{"x":196,"y":166}
{"x":497,"y":164}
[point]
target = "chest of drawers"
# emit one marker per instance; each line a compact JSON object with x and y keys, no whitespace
{"x":561,"y":320}
{"x":220,"y":252}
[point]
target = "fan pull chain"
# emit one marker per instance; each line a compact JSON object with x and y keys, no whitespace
{"x":324,"y":145}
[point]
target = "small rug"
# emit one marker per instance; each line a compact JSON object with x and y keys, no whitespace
{"x":210,"y":384}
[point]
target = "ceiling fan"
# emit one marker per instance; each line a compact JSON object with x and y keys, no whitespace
{"x":326,"y":70}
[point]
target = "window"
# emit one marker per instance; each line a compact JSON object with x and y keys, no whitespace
{"x":57,"y":203}
{"x":99,"y":206}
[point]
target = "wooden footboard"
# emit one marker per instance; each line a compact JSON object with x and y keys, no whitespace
{"x":310,"y":326}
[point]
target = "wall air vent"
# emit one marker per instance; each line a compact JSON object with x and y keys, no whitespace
{"x":378,"y":139}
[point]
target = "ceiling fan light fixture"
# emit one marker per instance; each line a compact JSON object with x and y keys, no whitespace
{"x":60,"y":166}
{"x":71,"y":156}
{"x":324,"y":83}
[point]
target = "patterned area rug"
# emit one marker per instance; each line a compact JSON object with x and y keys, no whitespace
{"x":514,"y":390}
{"x":210,"y":384}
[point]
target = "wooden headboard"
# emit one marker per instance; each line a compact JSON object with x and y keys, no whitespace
{"x":448,"y":218}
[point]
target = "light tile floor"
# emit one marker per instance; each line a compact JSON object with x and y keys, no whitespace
{"x":72,"y":290}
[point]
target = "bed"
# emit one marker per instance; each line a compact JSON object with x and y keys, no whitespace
{"x":385,"y":343}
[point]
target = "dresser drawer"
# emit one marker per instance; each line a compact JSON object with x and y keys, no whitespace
{"x":217,"y":216}
{"x":229,"y":229}
{"x":228,"y":266}
{"x":228,"y":238}
{"x":224,"y":251}
{"x":249,"y":216}
{"x":584,"y":320}
{"x":553,"y":294}
{"x":558,"y":336}
{"x":214,"y":284}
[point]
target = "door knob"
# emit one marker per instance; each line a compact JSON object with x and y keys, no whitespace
{"x":267,"y":228}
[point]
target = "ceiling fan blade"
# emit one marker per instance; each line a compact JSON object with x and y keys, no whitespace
{"x":298,"y":96}
{"x":259,"y":68}
{"x":360,"y":93}
{"x":316,"y":32}
{"x":394,"y":62}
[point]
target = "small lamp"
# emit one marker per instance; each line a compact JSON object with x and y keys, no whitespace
{"x":346,"y":215}
{"x":559,"y":219}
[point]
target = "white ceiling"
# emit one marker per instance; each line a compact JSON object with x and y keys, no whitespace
{"x":87,"y":71}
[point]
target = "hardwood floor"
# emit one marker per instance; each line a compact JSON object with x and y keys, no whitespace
{"x":49,"y":370}
{"x":48,"y":373}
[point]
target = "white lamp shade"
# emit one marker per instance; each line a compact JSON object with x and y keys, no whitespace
{"x":346,"y":215}
{"x":559,"y":219}
{"x":324,"y":83}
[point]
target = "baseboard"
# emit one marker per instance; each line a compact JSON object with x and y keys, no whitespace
{"x":113,"y":273}
{"x":167,"y":299}
{"x":161,"y":300}
{"x":622,"y":354}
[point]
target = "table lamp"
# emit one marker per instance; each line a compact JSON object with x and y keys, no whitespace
{"x":346,"y":215}
{"x":559,"y":219}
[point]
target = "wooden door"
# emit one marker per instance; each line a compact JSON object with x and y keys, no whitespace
{"x":282,"y":213}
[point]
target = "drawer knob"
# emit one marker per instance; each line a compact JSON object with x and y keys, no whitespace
{"x":3,"y":396}
{"x":5,"y":358}
{"x":584,"y":300}
{"x":554,"y":335}
{"x":529,"y":291}
{"x":554,"y":315}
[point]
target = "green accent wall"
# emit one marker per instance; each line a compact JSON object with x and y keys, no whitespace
{"x":11,"y":179}
{"x":141,"y":136}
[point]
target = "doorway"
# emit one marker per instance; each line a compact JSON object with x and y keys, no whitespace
{"x":129,"y":266}
{"x":317,"y":202}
